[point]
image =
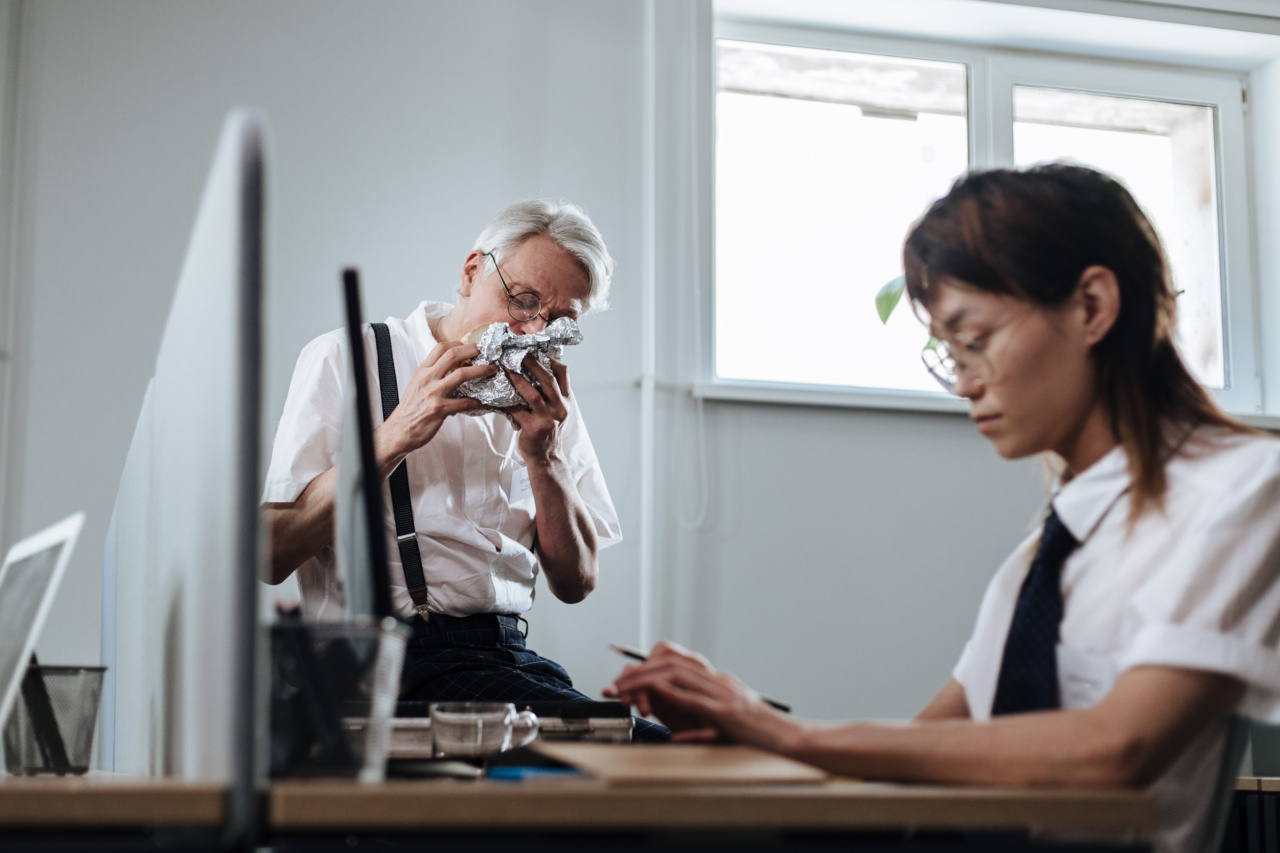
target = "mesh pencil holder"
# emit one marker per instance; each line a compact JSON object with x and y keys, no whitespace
{"x":50,"y":729}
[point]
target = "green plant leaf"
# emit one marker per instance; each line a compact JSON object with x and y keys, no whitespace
{"x":932,"y":343}
{"x":888,"y":297}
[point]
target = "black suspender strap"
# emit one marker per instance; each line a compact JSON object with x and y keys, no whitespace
{"x":406,"y":535}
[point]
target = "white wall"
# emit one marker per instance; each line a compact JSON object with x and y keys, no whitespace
{"x":399,"y":128}
{"x":11,"y":364}
{"x":844,"y":551}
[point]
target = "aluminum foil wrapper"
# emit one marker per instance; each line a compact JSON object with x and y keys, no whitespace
{"x":500,"y":346}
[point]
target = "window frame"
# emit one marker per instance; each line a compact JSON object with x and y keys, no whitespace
{"x":992,"y":75}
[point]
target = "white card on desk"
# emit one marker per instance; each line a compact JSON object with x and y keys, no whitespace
{"x":520,"y":489}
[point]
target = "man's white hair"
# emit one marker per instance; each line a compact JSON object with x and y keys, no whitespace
{"x":562,"y":221}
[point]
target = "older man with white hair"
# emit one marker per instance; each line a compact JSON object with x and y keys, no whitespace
{"x":492,"y":501}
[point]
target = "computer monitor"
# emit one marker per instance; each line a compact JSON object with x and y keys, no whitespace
{"x":181,"y":567}
{"x":360,"y":538}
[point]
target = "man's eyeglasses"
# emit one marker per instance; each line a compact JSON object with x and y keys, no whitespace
{"x":523,"y":306}
{"x":951,"y":360}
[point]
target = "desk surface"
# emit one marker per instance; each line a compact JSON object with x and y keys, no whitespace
{"x":581,"y":803}
{"x":109,"y":800}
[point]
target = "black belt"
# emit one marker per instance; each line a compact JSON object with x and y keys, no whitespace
{"x":477,"y":629}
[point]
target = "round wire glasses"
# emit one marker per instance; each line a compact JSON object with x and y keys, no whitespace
{"x":937,"y":358}
{"x":522,"y":306}
{"x":961,"y":356}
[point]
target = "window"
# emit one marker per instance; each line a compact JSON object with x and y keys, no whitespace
{"x":828,"y":146}
{"x":1165,"y":154}
{"x":822,"y":159}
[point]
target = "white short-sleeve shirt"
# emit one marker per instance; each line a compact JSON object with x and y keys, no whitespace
{"x":1195,"y":585}
{"x":472,"y":509}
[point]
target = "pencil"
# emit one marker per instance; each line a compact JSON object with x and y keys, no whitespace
{"x":626,"y":651}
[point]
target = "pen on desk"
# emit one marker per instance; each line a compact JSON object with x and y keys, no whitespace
{"x":626,"y":651}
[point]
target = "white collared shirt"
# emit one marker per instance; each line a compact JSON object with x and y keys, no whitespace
{"x":1196,"y":586}
{"x":472,"y":508}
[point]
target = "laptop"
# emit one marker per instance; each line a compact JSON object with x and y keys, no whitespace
{"x":29,"y":580}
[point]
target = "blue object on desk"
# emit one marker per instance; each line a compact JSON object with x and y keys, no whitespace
{"x":519,"y":774}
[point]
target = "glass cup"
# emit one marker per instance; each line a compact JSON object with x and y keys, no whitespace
{"x":477,"y":729}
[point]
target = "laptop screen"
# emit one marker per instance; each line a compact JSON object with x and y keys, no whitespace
{"x":28,"y":582}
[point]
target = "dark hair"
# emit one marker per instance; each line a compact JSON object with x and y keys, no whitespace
{"x":1031,"y":234}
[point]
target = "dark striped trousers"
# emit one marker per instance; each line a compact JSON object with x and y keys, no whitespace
{"x":483,"y":658}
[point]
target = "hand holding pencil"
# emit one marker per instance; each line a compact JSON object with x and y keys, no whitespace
{"x":697,"y":701}
{"x":635,"y":654}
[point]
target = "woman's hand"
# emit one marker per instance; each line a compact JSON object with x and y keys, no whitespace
{"x":428,"y":400}
{"x":548,"y":407}
{"x":695,"y":700}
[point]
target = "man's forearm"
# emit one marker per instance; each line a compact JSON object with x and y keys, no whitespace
{"x":299,"y":530}
{"x":390,"y":447}
{"x":566,"y":535}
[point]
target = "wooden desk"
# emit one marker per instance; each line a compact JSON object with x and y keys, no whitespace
{"x":100,"y":800}
{"x":300,"y":806}
{"x":106,"y":800}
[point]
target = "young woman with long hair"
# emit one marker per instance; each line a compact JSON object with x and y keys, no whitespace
{"x":1128,"y":640}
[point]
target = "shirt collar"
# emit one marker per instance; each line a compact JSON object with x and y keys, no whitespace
{"x":419,"y":327}
{"x":1082,"y":503}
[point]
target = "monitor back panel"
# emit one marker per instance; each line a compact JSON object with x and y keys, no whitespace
{"x":182,"y":558}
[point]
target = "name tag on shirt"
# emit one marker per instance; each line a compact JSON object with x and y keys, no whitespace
{"x":1084,"y":677}
{"x":520,"y":489}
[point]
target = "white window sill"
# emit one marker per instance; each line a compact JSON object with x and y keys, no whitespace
{"x":840,"y":396}
{"x":796,"y":394}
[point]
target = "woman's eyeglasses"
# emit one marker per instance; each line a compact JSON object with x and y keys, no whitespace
{"x":951,"y":360}
{"x":523,"y":306}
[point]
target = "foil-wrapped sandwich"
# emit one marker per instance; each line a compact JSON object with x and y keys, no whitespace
{"x":499,"y":345}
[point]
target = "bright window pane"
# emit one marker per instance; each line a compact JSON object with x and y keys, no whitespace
{"x":1164,"y":154}
{"x":823,"y":160}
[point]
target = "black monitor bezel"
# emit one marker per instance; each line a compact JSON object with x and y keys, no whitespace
{"x":370,"y":482}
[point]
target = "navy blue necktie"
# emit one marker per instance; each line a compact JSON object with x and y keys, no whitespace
{"x":1029,"y":668}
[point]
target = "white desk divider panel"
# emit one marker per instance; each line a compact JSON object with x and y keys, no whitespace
{"x":126,"y":746}
{"x":181,"y":566}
